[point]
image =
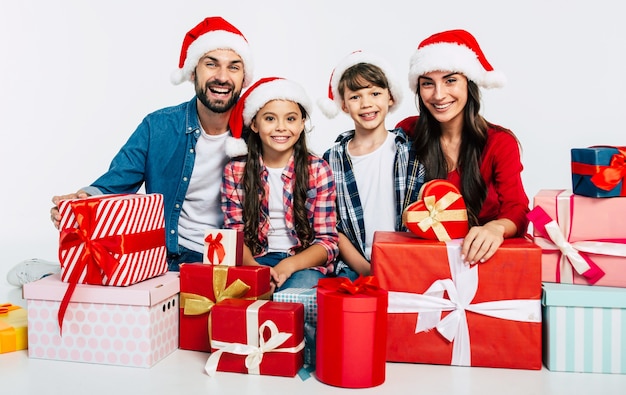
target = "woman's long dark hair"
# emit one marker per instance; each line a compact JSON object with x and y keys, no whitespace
{"x":254,"y":191}
{"x":426,"y":143}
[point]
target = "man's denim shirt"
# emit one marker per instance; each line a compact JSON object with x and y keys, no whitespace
{"x":161,"y":154}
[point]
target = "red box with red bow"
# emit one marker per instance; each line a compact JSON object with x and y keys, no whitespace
{"x":223,"y":247}
{"x":203,"y":286}
{"x":111,"y":240}
{"x":257,"y":337}
{"x":599,"y":171}
{"x":442,"y":311}
{"x":351,"y":332}
{"x":582,"y":241}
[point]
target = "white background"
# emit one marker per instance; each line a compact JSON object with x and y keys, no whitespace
{"x":77,"y":77}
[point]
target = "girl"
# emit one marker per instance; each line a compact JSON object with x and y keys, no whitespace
{"x":453,"y":141}
{"x":281,"y":196}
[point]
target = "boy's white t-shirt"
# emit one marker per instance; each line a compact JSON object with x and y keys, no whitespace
{"x":373,"y":173}
{"x":202,"y":206}
{"x":279,"y":238}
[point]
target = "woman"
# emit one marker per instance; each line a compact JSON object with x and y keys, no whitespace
{"x":454,"y":142}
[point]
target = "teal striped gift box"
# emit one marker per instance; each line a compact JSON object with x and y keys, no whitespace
{"x":308,"y":297}
{"x":584,"y":328}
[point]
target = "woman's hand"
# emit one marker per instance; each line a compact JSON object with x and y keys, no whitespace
{"x":482,"y":242}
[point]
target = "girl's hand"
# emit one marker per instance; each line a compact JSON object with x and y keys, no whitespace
{"x":482,"y":242}
{"x":281,"y":272}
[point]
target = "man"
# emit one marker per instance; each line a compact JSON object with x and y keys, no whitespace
{"x":179,"y":151}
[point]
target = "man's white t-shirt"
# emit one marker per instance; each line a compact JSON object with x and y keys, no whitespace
{"x":202,"y":206}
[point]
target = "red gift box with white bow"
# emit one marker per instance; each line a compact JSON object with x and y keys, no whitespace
{"x":257,"y":337}
{"x":442,"y":311}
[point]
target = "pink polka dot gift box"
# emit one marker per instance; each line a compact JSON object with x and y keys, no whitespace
{"x":127,"y":326}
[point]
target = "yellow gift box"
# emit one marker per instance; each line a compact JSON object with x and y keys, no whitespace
{"x":13,"y":328}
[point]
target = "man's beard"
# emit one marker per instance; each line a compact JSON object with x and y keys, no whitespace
{"x":217,"y":106}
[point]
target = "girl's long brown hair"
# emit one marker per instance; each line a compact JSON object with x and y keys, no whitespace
{"x":254,"y":192}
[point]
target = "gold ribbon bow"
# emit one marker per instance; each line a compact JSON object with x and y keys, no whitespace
{"x":194,"y":304}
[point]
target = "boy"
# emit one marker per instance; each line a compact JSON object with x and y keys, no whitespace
{"x":369,"y":163}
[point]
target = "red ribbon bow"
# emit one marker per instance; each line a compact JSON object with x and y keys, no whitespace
{"x":215,"y":247}
{"x":363,"y":284}
{"x":97,"y":259}
{"x":608,"y":177}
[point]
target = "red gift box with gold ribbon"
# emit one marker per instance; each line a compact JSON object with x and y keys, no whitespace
{"x":202,"y":286}
{"x":351,"y":332}
{"x":438,"y":214}
{"x":442,"y":311}
{"x":114,"y":240}
{"x":257,"y":337}
{"x":599,"y":171}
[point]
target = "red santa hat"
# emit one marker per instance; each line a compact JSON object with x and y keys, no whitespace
{"x":253,"y":99}
{"x":453,"y":50}
{"x":211,"y":34}
{"x":331,"y":105}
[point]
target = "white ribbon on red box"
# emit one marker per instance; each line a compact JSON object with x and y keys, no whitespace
{"x":256,"y":345}
{"x":461,"y":290}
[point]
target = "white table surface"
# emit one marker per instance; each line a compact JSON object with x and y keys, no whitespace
{"x":183,"y":372}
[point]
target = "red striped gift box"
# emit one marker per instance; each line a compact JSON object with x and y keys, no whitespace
{"x":111,"y":240}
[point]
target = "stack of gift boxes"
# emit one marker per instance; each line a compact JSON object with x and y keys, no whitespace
{"x":582,"y":233}
{"x":557,"y":297}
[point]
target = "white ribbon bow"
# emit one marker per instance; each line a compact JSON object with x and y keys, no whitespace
{"x":461,"y":290}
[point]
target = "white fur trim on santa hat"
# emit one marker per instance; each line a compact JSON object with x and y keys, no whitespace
{"x":455,"y":58}
{"x":235,"y":147}
{"x":278,"y":89}
{"x":330,"y":107}
{"x":217,"y":39}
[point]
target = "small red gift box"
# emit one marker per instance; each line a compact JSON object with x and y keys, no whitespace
{"x":351,"y":332}
{"x":442,"y":311}
{"x":581,"y":238}
{"x":439,"y":214}
{"x":111,"y":240}
{"x":223,"y":247}
{"x":202,"y":286}
{"x":257,"y":337}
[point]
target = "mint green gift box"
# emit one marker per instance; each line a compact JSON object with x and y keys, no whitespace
{"x":584,"y":328}
{"x":308,"y":297}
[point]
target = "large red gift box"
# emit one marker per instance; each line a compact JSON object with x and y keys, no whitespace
{"x":111,"y":240}
{"x":351,"y":332}
{"x":257,"y":337}
{"x":202,"y":286}
{"x":582,"y":238}
{"x":442,"y":311}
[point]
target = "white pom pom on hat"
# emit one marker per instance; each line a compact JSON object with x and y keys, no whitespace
{"x":253,"y":99}
{"x":457,"y":51}
{"x":211,"y":34}
{"x":331,"y":105}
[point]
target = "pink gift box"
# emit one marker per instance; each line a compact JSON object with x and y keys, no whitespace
{"x":223,"y":247}
{"x":128,"y":326}
{"x":591,"y":231}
